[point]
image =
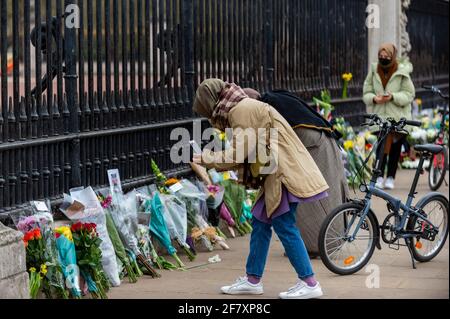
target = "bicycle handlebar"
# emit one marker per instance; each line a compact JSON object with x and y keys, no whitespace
{"x":376,"y":120}
{"x":413,"y":123}
{"x":435,"y":90}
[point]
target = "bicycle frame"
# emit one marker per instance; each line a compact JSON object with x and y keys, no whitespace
{"x":397,"y":204}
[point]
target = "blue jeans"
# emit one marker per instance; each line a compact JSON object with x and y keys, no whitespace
{"x":291,"y":239}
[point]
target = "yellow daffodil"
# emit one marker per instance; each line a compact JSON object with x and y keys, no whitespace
{"x":347,"y":77}
{"x":348,"y":145}
{"x":32,"y":269}
{"x":44,"y":269}
{"x":419,"y":101}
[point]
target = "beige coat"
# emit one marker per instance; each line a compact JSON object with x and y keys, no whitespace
{"x":296,"y":170}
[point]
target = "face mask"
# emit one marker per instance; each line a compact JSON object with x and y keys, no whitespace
{"x":384,"y":62}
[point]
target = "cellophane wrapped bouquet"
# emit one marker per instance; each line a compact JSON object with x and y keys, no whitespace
{"x":124,"y":211}
{"x":43,"y":265}
{"x":94,"y":214}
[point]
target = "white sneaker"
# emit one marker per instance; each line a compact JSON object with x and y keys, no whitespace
{"x":380,"y":183}
{"x":302,"y":291}
{"x":389,"y":183}
{"x":243,"y":287}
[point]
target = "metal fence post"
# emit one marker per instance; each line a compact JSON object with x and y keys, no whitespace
{"x":269,"y":63}
{"x":188,"y":32}
{"x":71,"y":93}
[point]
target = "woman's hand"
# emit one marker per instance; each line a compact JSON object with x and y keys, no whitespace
{"x":381,"y":99}
{"x":197,"y":159}
{"x":378,"y":99}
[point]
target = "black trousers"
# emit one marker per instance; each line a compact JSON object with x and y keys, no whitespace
{"x":392,"y":158}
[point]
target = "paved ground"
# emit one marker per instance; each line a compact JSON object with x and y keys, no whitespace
{"x":397,"y":278}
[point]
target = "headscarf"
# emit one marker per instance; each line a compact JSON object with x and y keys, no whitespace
{"x":215,"y":99}
{"x":207,"y":97}
{"x":386,"y":71}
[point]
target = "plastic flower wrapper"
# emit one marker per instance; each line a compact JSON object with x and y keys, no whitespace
{"x":94,"y":213}
{"x":192,"y":197}
{"x":158,"y":226}
{"x":147,"y":248}
{"x":215,"y":196}
{"x":119,"y":248}
{"x":124,"y":212}
{"x":211,"y":233}
{"x":68,"y":259}
{"x":39,"y":267}
{"x":195,"y":201}
{"x":127,"y":260}
{"x":40,"y":218}
{"x":175,"y":217}
{"x":226,"y":216}
{"x":234,"y":196}
{"x":247,"y":210}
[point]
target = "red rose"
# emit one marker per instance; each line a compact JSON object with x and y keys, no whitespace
{"x":37,"y":233}
{"x":28,"y":236}
{"x":76,"y":227}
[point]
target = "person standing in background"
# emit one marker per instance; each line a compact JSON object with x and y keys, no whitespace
{"x":389,"y":90}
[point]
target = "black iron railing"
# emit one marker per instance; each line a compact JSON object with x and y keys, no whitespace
{"x":428,"y":28}
{"x":75,"y":102}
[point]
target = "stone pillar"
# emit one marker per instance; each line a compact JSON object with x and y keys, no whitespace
{"x":14,"y":283}
{"x":405,"y":43}
{"x":390,"y":13}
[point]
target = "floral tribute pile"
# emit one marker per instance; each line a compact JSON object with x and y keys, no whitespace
{"x":109,"y":235}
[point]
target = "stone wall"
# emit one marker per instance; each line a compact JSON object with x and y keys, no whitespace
{"x":13,"y":275}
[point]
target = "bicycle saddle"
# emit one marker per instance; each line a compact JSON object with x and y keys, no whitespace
{"x":429,"y":148}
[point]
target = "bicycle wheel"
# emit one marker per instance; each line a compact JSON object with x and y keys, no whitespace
{"x":436,"y":210}
{"x":438,"y":168}
{"x":338,"y":253}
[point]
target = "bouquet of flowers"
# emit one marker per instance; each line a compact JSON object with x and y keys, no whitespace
{"x":234,"y":197}
{"x":68,"y":259}
{"x":123,"y":210}
{"x":195,"y":201}
{"x":160,"y":178}
{"x":356,"y":152}
{"x":119,"y":248}
{"x":208,"y":231}
{"x":41,"y":250}
{"x":158,"y":226}
{"x":175,"y":217}
{"x":89,"y":258}
{"x":226,"y":216}
{"x":40,"y":269}
{"x":93,"y":213}
{"x":323,"y":104}
{"x":149,"y":251}
{"x":215,"y":196}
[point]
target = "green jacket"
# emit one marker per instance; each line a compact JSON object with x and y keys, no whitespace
{"x":401,"y":87}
